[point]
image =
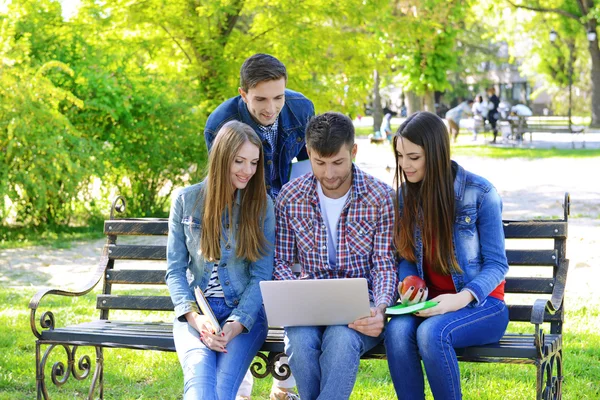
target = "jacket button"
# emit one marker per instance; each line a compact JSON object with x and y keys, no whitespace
{"x":268,"y":187}
{"x":227,"y":247}
{"x":269,"y":162}
{"x":236,"y":302}
{"x":226,"y":283}
{"x":224,"y":265}
{"x":298,"y":139}
{"x":468,"y":219}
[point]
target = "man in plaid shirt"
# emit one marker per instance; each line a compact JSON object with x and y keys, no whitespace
{"x":338,"y":222}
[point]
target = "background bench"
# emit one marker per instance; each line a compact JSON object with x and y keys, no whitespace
{"x":523,"y":125}
{"x":131,"y":275}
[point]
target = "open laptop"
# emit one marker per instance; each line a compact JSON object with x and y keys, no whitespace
{"x":315,"y":301}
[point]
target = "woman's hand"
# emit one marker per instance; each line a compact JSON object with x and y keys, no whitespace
{"x":420,"y":297}
{"x":231,"y":329}
{"x":448,"y":303}
{"x":208,"y":335}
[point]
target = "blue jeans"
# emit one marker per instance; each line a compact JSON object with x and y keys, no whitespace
{"x":434,"y":339}
{"x":211,"y":375}
{"x":324,"y":359}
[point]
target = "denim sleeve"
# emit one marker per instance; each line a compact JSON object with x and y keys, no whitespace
{"x":209,"y":137}
{"x":177,"y":263}
{"x":407,"y":268}
{"x":491,"y":243}
{"x":261,"y":270}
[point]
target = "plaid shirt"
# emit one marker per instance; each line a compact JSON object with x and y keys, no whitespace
{"x":365,"y":233}
{"x":269,"y":133}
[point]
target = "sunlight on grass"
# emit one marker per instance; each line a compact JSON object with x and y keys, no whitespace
{"x":510,"y":152}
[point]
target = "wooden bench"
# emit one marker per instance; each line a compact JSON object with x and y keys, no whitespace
{"x":123,"y":266}
{"x":522,"y":125}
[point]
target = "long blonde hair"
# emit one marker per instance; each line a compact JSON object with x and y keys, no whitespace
{"x":432,"y":198}
{"x":219,"y":197}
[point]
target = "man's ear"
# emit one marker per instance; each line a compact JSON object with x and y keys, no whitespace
{"x":354,"y":150}
{"x":243,"y":94}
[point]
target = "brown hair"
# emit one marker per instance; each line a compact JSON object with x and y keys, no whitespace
{"x":259,"y":68}
{"x":428,"y":204}
{"x":326,"y":133}
{"x":219,"y":192}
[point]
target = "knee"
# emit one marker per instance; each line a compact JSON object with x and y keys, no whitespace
{"x":299,"y":340}
{"x":340,"y":338}
{"x":400,"y":332}
{"x":431,"y":337}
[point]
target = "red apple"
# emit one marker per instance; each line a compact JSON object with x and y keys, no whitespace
{"x":413,"y":280}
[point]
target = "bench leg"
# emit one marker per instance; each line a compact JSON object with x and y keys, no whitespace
{"x":80,"y":370}
{"x":550,"y":378}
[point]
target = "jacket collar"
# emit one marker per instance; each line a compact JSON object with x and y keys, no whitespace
{"x":460,"y":182}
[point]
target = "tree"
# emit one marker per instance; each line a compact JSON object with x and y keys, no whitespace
{"x":586,"y":14}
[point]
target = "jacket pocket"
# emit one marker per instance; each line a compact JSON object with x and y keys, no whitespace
{"x":465,"y":221}
{"x":192,"y":227}
{"x":305,"y":236}
{"x":360,"y":236}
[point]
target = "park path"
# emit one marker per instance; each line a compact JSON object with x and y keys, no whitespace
{"x":529,"y":189}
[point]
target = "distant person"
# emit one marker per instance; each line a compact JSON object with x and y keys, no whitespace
{"x":480,"y":113}
{"x":278,"y":116}
{"x":493,"y":114}
{"x":225,"y":221}
{"x":338,"y":222}
{"x":454,"y":115}
{"x":385,"y":131}
{"x":449,"y":232}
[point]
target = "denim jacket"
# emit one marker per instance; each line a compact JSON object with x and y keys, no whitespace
{"x":478,"y":238}
{"x":293,"y":118}
{"x":239,"y":277}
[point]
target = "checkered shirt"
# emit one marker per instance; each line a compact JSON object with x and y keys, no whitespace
{"x":269,"y":134}
{"x":365,"y":235}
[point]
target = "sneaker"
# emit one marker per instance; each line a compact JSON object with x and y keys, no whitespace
{"x":283,"y":394}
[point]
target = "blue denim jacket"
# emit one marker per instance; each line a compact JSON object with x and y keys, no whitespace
{"x":239,"y":277}
{"x":478,"y":238}
{"x":293,"y":118}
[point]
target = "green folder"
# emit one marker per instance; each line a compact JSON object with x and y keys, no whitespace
{"x":400,"y":308}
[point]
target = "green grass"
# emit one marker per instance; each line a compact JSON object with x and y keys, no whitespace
{"x":513,"y":152}
{"x":56,"y":237}
{"x":363,"y":131}
{"x":133,"y":374}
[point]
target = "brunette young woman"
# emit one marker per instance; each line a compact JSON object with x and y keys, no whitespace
{"x":449,"y":232}
{"x":221,"y":235}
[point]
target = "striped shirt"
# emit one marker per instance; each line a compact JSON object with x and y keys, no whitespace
{"x":269,"y":136}
{"x":365,"y":233}
{"x":214,"y":289}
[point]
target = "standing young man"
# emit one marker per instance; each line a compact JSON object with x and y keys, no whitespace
{"x":339,"y":222}
{"x":279,"y":117}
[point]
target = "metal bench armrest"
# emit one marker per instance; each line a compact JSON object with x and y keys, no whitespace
{"x":47,"y":318}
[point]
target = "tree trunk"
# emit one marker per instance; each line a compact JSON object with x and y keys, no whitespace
{"x":413,"y":103}
{"x":429,"y":102}
{"x":376,"y":109}
{"x":595,"y":56}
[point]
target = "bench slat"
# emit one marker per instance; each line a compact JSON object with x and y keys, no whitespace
{"x":136,"y":277}
{"x":542,"y":229}
{"x":532,"y":257}
{"x":137,"y":252}
{"x":142,"y":303}
{"x":133,"y":226}
{"x":529,"y":285}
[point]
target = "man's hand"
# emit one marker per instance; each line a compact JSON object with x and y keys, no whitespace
{"x":373,"y":325}
{"x":420,"y":297}
{"x":448,"y":303}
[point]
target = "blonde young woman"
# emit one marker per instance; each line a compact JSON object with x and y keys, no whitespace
{"x":222,"y":232}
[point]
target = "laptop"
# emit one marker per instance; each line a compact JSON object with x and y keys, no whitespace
{"x":315,"y":302}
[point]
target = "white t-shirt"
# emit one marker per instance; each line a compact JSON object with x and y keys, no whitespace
{"x":331,"y":210}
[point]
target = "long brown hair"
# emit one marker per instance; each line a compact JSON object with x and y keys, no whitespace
{"x":428,"y":204}
{"x":219,"y":196}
